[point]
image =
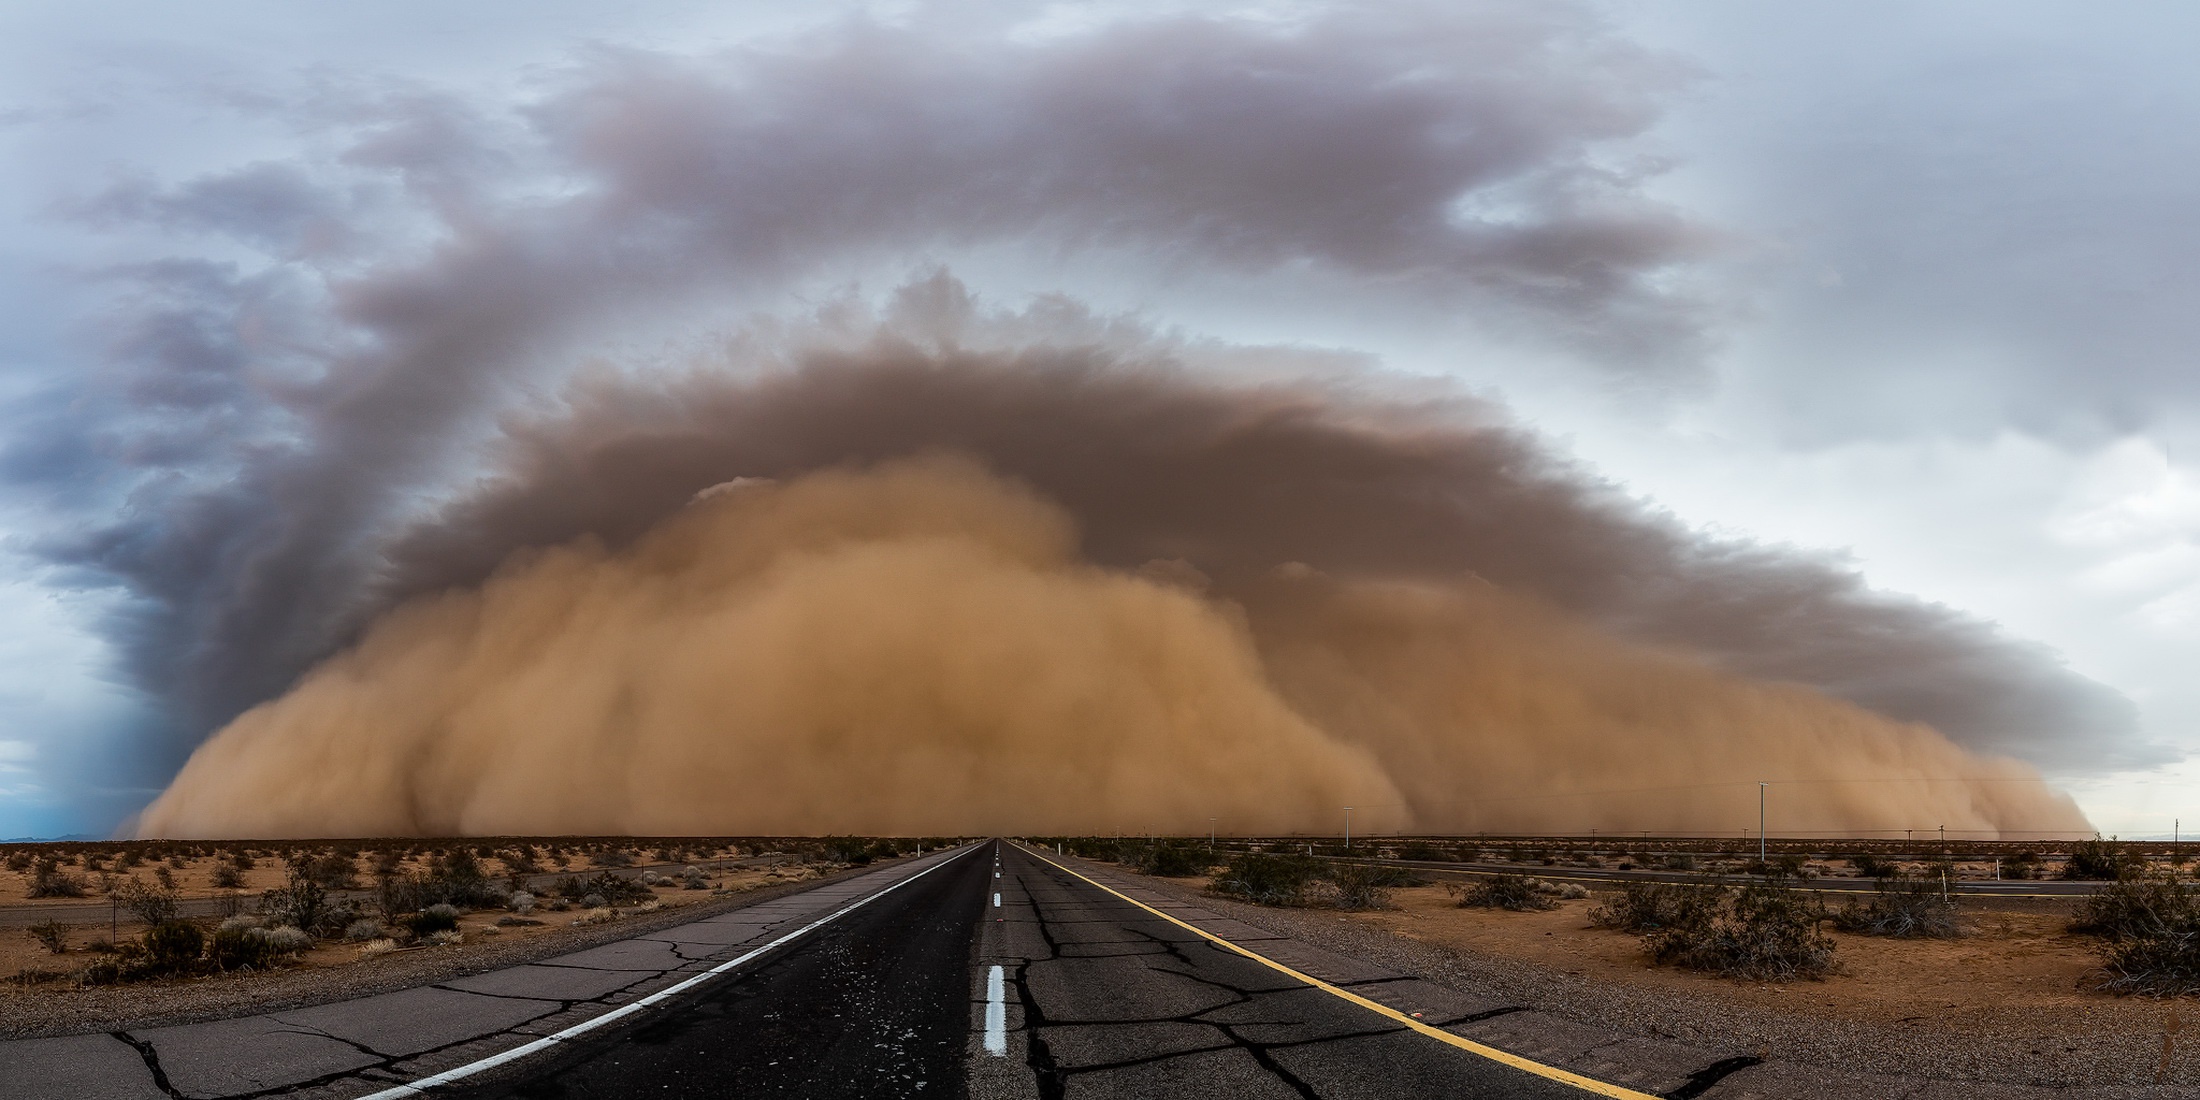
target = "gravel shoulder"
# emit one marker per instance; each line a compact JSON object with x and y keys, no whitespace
{"x":2105,"y":1040}
{"x":39,"y":1012}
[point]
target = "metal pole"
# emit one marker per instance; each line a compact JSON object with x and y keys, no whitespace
{"x":1210,"y":834}
{"x":1761,"y":824}
{"x":1348,"y":827}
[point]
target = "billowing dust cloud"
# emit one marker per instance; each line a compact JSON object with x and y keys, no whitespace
{"x":920,"y":645}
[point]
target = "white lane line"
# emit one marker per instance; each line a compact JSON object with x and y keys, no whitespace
{"x":996,"y":1014}
{"x":996,"y":901}
{"x":420,"y":1087}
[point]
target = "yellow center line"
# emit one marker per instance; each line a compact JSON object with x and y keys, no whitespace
{"x":1567,"y":1077}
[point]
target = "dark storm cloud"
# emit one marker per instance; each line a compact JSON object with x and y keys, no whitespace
{"x":266,"y":431}
{"x":1235,"y":479}
{"x":337,"y":327}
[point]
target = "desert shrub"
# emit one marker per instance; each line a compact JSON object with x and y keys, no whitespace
{"x":522,"y":860}
{"x":238,"y":946}
{"x":1269,"y":879}
{"x":286,"y":939}
{"x":1169,"y":859}
{"x":1904,"y":909}
{"x":151,"y":904}
{"x":456,"y":879}
{"x":595,"y":901}
{"x":2151,"y":927}
{"x":602,"y":884}
{"x":227,"y":877}
{"x":48,"y":880}
{"x":652,"y":878}
{"x":333,"y":870}
{"x":522,"y":903}
{"x":848,"y":849}
{"x":1650,"y":906}
{"x":1680,"y":861}
{"x":242,"y":860}
{"x":2022,"y":865}
{"x":19,"y":860}
{"x":1766,"y":930}
{"x":128,"y":858}
{"x":1871,"y":866}
{"x":172,"y":947}
{"x":362,"y":930}
{"x":372,"y":948}
{"x":693,"y":878}
{"x":2099,"y":859}
{"x":1360,"y":886}
{"x":2135,"y":908}
{"x":1515,"y":892}
{"x":612,"y":857}
{"x":398,"y":895}
{"x":299,"y":901}
{"x":1427,"y":852}
{"x":52,"y":935}
{"x":433,"y":919}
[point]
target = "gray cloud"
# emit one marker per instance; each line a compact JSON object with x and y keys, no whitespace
{"x":333,"y":330}
{"x":1976,"y":215}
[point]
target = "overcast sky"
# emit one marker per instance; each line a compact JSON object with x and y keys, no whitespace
{"x":1904,"y":285}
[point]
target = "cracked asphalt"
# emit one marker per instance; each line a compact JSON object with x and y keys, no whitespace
{"x":1112,"y":1001}
{"x":868,"y":1006}
{"x":987,"y":972}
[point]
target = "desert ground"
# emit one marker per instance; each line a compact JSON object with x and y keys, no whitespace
{"x":66,"y":912}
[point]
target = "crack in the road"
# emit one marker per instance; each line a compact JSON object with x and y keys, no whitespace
{"x":152,"y":1062}
{"x":1053,"y":1077}
{"x":384,"y":1067}
{"x":1701,"y":1081}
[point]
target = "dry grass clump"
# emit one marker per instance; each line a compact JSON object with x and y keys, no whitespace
{"x":1167,"y":858}
{"x":1515,"y":892}
{"x":2151,"y":926}
{"x":1903,"y":909}
{"x":1650,"y":906}
{"x":1766,"y":930}
{"x":2103,"y":860}
{"x":1282,"y":880}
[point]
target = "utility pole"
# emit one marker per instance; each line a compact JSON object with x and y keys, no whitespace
{"x":1761,"y":825}
{"x":1944,"y":836}
{"x":1210,"y":834}
{"x":1348,"y":828}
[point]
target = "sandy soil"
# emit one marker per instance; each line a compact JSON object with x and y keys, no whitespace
{"x":35,"y":971}
{"x":2013,"y":961}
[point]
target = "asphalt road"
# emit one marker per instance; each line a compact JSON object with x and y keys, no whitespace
{"x":872,"y":1005}
{"x":1115,"y":1001}
{"x":1111,"y":1001}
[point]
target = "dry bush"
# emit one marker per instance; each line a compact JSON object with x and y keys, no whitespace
{"x":1650,"y":906}
{"x":2152,"y":929}
{"x":2102,"y":860}
{"x":1269,"y":879}
{"x":1903,"y":909}
{"x":1765,"y":931}
{"x":151,"y":904}
{"x":1514,"y":892}
{"x":1357,"y":886}
{"x":48,"y":880}
{"x":52,"y":935}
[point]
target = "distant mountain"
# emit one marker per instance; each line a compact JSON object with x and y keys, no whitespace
{"x":49,"y":839}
